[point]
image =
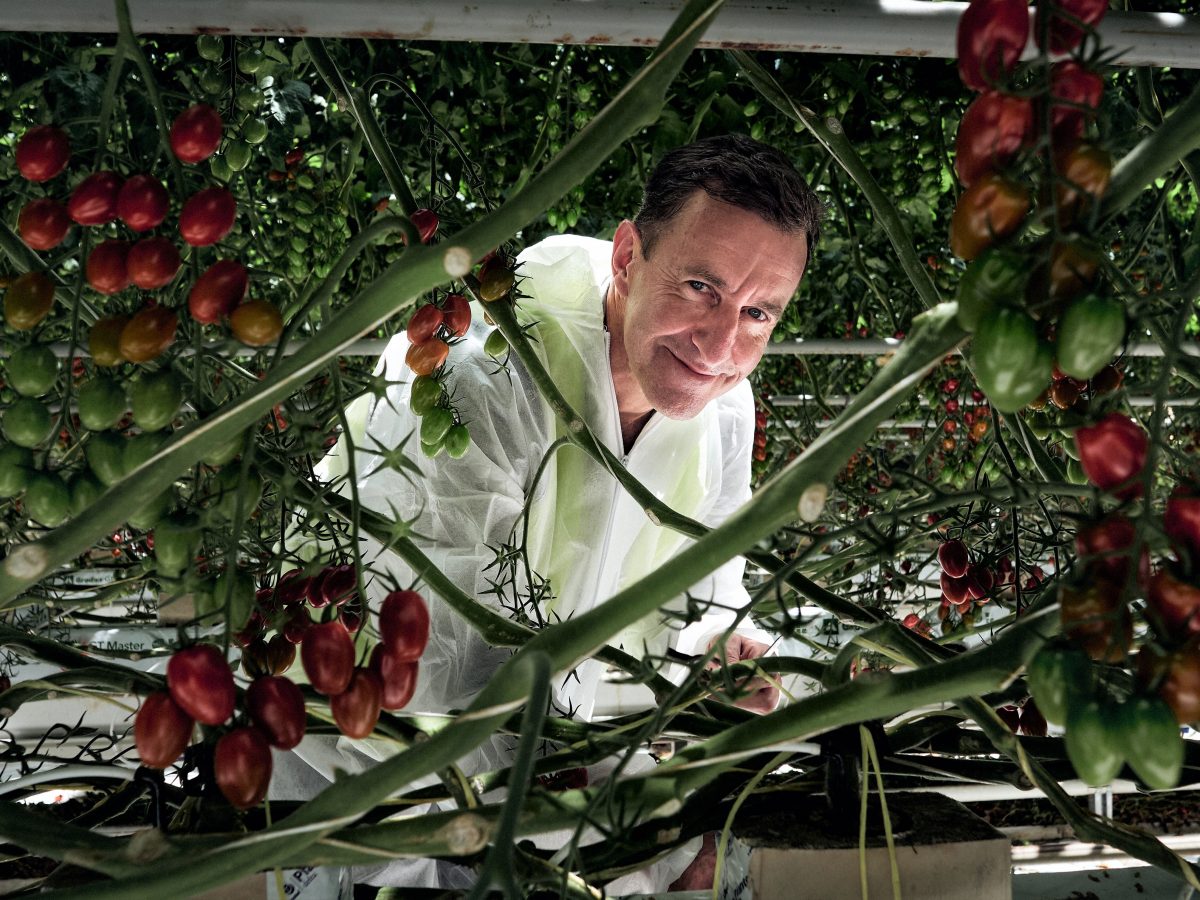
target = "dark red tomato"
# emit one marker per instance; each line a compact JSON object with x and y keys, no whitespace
{"x":106,"y":270}
{"x":152,"y":262}
{"x":327,"y":655}
{"x":218,"y":291}
{"x":399,"y":678}
{"x":207,"y":216}
{"x":954,"y":589}
{"x":424,"y":358}
{"x":980,"y":581}
{"x":292,"y":588}
{"x":161,"y":731}
{"x":404,"y":625}
{"x":338,"y":584}
{"x":356,"y":709}
{"x":994,"y":129}
{"x":276,"y":706}
{"x":196,"y":133}
{"x":991,"y":36}
{"x":252,"y":631}
{"x":201,"y":682}
{"x":351,"y":614}
{"x":148,"y":334}
{"x":1182,"y":521}
{"x":264,"y":600}
{"x":296,"y":623}
{"x":281,"y":653}
{"x":424,"y":324}
{"x":256,"y":323}
{"x":1084,"y":172}
{"x":142,"y":203}
{"x":988,"y":210}
{"x":1112,"y":453}
{"x":1181,"y":687}
{"x":1072,"y":269}
{"x":43,"y":224}
{"x":426,"y":222}
{"x":293,"y":157}
{"x":1075,"y":94}
{"x":94,"y":200}
{"x":254,"y":659}
{"x":42,"y":152}
{"x":1064,"y":33}
{"x":1033,"y":723}
{"x":456,"y":312}
{"x":1106,"y":545}
{"x":1010,"y":716}
{"x":1176,"y":602}
{"x":242,"y":766}
{"x":954,"y":558}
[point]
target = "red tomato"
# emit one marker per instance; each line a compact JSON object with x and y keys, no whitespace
{"x":148,"y":334}
{"x":954,"y":558}
{"x":1181,"y":687}
{"x":426,"y":222}
{"x":327,"y":655}
{"x":106,"y":270}
{"x":297,"y":623}
{"x":1033,"y":723}
{"x":1176,"y":603}
{"x":196,"y":133}
{"x":1112,"y":453}
{"x":351,"y":614}
{"x":1182,"y":520}
{"x":1105,"y":546}
{"x":242,"y":766}
{"x":991,"y":36}
{"x":161,"y":730}
{"x":207,"y":216}
{"x":1064,"y":35}
{"x":152,"y":262}
{"x":338,"y":584}
{"x":142,"y":202}
{"x":990,"y":209}
{"x":281,"y":653}
{"x":42,"y":152}
{"x":994,"y":129}
{"x":256,"y":323}
{"x":954,"y":589}
{"x":276,"y":706}
{"x":94,"y":200}
{"x":1075,"y":95}
{"x":43,"y":224}
{"x":293,"y":157}
{"x":399,"y":678}
{"x":424,"y":358}
{"x":292,"y":588}
{"x":1094,"y":616}
{"x":201,"y":682}
{"x":980,"y":581}
{"x":404,"y":625}
{"x":356,"y":709}
{"x":424,"y":324}
{"x":456,"y":313}
{"x":218,"y":291}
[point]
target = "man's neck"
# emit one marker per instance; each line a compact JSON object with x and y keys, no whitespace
{"x":632,"y":406}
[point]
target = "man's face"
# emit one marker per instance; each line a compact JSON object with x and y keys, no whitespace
{"x":695,"y":317}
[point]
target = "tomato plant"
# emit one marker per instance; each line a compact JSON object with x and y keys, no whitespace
{"x":148,"y":334}
{"x":256,"y":323}
{"x":1112,"y":453}
{"x":424,"y":324}
{"x":106,"y":270}
{"x":397,"y":677}
{"x":456,"y":313}
{"x":207,"y":216}
{"x":994,"y":129}
{"x":104,"y":340}
{"x":426,"y":358}
{"x":404,"y":625}
{"x":32,"y":370}
{"x":1012,"y":364}
{"x":1089,"y":333}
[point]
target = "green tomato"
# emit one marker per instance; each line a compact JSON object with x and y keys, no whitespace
{"x":239,"y":586}
{"x":996,"y":277}
{"x":457,"y":441}
{"x":101,"y":403}
{"x":105,"y":452}
{"x":47,"y":499}
{"x":85,"y":490}
{"x":210,"y":47}
{"x":226,"y":487}
{"x":435,"y":424}
{"x":1039,"y":426}
{"x":250,"y":60}
{"x":224,"y":453}
{"x":248,"y":98}
{"x":1011,"y":364}
{"x":254,"y":131}
{"x":424,"y":395}
{"x":152,"y":511}
{"x":176,"y":539}
{"x":1093,"y":741}
{"x":237,"y":155}
{"x":1089,"y":333}
{"x":32,"y":370}
{"x":1153,"y":745}
{"x":496,"y":344}
{"x":15,"y":465}
{"x":213,"y":80}
{"x":155,"y":400}
{"x":219,"y":166}
{"x":28,"y":423}
{"x":1058,"y":675}
{"x":1075,"y":472}
{"x":140,"y":448}
{"x":432,"y":450}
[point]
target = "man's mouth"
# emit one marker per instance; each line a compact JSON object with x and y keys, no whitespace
{"x":699,"y":373}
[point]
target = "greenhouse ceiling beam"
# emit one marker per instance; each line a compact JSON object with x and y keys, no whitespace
{"x":858,"y":27}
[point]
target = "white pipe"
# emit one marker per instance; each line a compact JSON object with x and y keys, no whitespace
{"x":66,"y":773}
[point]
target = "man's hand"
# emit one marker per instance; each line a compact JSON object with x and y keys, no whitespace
{"x":756,"y":694}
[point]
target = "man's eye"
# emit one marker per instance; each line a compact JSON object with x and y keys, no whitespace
{"x":757,"y":314}
{"x":697,"y":285}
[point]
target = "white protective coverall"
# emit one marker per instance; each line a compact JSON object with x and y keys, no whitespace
{"x":586,"y":535}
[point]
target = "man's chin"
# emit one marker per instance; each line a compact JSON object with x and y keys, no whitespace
{"x":681,"y":405}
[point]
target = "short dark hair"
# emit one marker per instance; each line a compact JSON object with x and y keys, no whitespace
{"x":735,"y":169}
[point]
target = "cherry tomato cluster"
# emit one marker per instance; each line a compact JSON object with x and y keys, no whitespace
{"x":964,"y":582}
{"x":429,"y":331}
{"x":760,"y":435}
{"x":1027,"y":313}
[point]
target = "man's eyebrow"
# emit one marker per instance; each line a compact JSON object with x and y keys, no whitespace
{"x":772,"y":306}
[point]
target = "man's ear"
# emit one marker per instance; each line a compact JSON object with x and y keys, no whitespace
{"x":626,"y":243}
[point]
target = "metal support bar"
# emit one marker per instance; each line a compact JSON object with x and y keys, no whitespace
{"x":858,"y":27}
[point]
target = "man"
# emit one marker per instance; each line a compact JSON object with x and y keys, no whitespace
{"x":650,"y":338}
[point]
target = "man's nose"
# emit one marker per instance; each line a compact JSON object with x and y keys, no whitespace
{"x":714,"y":338}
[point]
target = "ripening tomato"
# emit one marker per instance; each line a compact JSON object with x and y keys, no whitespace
{"x":43,"y":224}
{"x":161,"y":730}
{"x":954,"y":558}
{"x":327,"y":654}
{"x":456,"y":313}
{"x":994,"y":129}
{"x":142,"y":202}
{"x":1181,"y":685}
{"x":293,"y":157}
{"x":152,"y":262}
{"x":991,"y":36}
{"x":256,"y":323}
{"x":1112,"y":453}
{"x":201,"y":682}
{"x":94,"y":200}
{"x":1085,"y":171}
{"x":356,"y":709}
{"x":424,"y":324}
{"x":1094,"y":616}
{"x":28,"y":300}
{"x":988,"y":210}
{"x":1106,"y":546}
{"x":1176,"y":602}
{"x":42,"y":152}
{"x":104,"y":340}
{"x":276,"y":706}
{"x":196,"y":133}
{"x":496,"y":279}
{"x":105,"y":269}
{"x":148,"y":334}
{"x":218,"y":291}
{"x":404,"y":625}
{"x":1181,"y":521}
{"x":399,"y":678}
{"x":425,"y":358}
{"x":1075,"y":94}
{"x":207,"y":216}
{"x":1072,"y":269}
{"x":1063,"y":33}
{"x":242,"y":766}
